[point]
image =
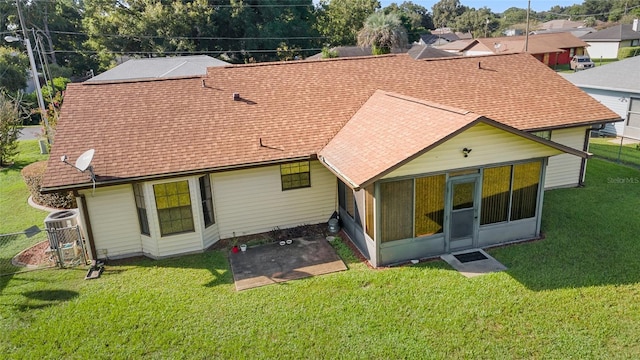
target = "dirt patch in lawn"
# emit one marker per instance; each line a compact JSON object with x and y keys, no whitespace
{"x":35,"y":256}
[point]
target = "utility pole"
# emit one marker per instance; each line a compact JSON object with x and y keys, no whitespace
{"x":526,"y":37}
{"x":34,"y":72}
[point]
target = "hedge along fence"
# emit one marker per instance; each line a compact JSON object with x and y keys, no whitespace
{"x":32,"y":175}
{"x":628,"y":51}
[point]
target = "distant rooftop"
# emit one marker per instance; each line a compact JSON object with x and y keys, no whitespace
{"x":353,"y":51}
{"x":153,"y":68}
{"x":614,"y":33}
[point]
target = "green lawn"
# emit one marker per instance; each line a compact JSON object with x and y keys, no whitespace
{"x":15,"y":213}
{"x":609,"y":148}
{"x":575,"y":294}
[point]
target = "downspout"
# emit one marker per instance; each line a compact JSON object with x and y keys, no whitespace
{"x":87,"y":223}
{"x":585,"y":148}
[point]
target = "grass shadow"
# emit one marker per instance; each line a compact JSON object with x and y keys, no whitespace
{"x":215,"y":261}
{"x":591,"y":235}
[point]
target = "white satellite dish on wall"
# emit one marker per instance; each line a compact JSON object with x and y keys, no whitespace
{"x":84,"y":161}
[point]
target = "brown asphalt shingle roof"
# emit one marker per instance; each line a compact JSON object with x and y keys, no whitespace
{"x":158,"y":128}
{"x":538,"y":44}
{"x":388,"y":129}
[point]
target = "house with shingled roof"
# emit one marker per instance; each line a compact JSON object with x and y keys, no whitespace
{"x":616,"y":86}
{"x":550,"y":48}
{"x":415,"y":165}
{"x":606,"y":43}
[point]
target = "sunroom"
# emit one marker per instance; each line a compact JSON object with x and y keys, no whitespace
{"x":418,"y":179}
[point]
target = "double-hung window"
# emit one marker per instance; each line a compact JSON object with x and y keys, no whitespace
{"x":207,"y":200}
{"x":173,"y":202}
{"x":295,"y":175}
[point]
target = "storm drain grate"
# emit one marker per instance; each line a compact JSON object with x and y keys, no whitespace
{"x":470,"y":256}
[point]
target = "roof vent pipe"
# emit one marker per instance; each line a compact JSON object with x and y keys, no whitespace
{"x":236,"y":96}
{"x":635,"y":25}
{"x":479,"y":65}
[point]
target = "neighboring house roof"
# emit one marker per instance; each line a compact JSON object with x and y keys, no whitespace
{"x":463,"y":36}
{"x":287,"y":111}
{"x":459,"y":45}
{"x":153,"y":68}
{"x":353,"y":51}
{"x":560,"y":24}
{"x":614,"y":33}
{"x":391,"y":129}
{"x":621,"y":75}
{"x":538,"y":44}
{"x":577,"y":32}
{"x":433,"y":38}
{"x":418,"y":51}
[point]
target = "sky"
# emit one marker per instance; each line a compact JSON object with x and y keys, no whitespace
{"x":496,"y":6}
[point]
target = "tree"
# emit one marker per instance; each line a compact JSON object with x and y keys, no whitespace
{"x":415,"y":18}
{"x":514,"y":15}
{"x":383,"y":32}
{"x":9,"y":128}
{"x":54,"y":28}
{"x":13,"y":69}
{"x":599,"y":9}
{"x":340,"y":20}
{"x":478,"y":22}
{"x":445,"y":12}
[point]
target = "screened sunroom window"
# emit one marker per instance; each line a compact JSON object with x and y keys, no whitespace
{"x":173,"y":202}
{"x":369,"y":214}
{"x":496,"y":190}
{"x":510,"y":192}
{"x":526,"y":178}
{"x":396,"y":210}
{"x":429,"y":214}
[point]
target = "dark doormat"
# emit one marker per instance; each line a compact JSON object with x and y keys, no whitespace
{"x":470,"y":256}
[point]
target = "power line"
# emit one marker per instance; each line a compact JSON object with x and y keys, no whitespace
{"x":91,"y":52}
{"x":190,"y":37}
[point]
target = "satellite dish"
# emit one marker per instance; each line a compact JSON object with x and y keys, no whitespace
{"x":84,"y":160}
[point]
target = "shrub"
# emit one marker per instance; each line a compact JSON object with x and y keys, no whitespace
{"x":32,"y":175}
{"x":627,"y":52}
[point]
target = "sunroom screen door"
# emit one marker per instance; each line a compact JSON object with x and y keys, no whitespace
{"x":463,"y":216}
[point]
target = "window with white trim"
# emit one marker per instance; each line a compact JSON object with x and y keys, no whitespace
{"x":173,"y":202}
{"x":295,"y":175}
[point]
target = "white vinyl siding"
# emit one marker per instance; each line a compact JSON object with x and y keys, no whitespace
{"x":252,"y":201}
{"x":613,"y":101}
{"x":114,"y":222}
{"x":187,"y":242}
{"x":489,"y":145}
{"x":605,"y":50}
{"x":564,"y":170}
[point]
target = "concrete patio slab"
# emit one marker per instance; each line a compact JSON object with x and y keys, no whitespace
{"x":273,"y":263}
{"x":474,"y":268}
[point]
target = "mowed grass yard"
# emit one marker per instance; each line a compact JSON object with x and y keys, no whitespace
{"x":575,"y":294}
{"x":609,"y":148}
